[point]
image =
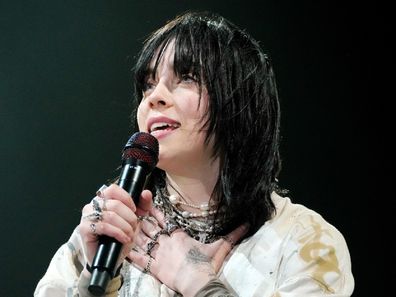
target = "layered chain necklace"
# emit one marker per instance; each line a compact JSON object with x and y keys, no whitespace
{"x":200,"y":225}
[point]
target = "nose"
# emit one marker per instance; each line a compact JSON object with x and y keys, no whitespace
{"x":160,"y":96}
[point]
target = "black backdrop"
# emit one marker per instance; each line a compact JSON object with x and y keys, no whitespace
{"x":65,"y":100}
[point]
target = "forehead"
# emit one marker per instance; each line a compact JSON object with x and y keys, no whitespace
{"x":163,"y":58}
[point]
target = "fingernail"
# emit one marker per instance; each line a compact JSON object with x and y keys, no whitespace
{"x":99,"y":192}
{"x":245,"y":227}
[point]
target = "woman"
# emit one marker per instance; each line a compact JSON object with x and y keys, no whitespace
{"x":212,"y":221}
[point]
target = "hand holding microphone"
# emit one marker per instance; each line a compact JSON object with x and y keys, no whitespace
{"x":139,"y":158}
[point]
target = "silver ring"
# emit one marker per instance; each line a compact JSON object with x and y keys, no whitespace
{"x":170,"y":227}
{"x":96,"y":206}
{"x":148,"y":266}
{"x":150,"y":246}
{"x":93,"y":229}
{"x":93,"y":216}
{"x":159,"y":233}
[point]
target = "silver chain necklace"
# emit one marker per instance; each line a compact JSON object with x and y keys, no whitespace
{"x":203,"y":229}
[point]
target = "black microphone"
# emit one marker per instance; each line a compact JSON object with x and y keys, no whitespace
{"x":139,"y":157}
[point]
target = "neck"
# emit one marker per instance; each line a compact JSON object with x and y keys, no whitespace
{"x":198,"y":186}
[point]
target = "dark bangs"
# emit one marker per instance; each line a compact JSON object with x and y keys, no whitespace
{"x":190,"y":51}
{"x":197,"y":53}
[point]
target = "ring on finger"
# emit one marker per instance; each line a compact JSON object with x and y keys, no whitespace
{"x":148,"y":266}
{"x":94,"y":216}
{"x":170,"y":227}
{"x":93,"y":229}
{"x":96,"y":206}
{"x":159,"y":233}
{"x":150,"y":246}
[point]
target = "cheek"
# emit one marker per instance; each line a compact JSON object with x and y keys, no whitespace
{"x":203,"y":109}
{"x":196,"y":108}
{"x":140,"y":116}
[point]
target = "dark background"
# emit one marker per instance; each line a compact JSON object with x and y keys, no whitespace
{"x":65,"y":101}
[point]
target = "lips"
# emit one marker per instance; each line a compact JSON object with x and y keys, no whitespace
{"x":156,"y":124}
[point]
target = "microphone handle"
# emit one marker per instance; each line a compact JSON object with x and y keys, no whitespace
{"x":132,"y":179}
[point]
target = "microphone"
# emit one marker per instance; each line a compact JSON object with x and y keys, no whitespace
{"x":139,"y":157}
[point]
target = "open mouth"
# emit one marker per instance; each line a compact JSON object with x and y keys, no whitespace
{"x":162,"y":126}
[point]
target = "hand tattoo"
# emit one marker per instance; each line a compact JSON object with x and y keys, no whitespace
{"x":202,"y":261}
{"x":195,"y":256}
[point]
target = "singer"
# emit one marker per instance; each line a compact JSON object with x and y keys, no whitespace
{"x":213,"y":219}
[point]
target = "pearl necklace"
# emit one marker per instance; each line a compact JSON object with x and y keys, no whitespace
{"x":204,"y":207}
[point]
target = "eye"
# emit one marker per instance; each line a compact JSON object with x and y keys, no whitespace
{"x":148,"y":87}
{"x":148,"y":84}
{"x":188,"y":78}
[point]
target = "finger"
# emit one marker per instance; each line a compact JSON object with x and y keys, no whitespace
{"x":145,"y":203}
{"x":142,"y":240}
{"x":149,"y":228}
{"x":99,"y":192}
{"x":121,"y":210}
{"x":86,"y":210}
{"x":159,"y":216}
{"x":137,"y":249}
{"x":234,"y":236}
{"x":114,"y":219}
{"x":224,"y":245}
{"x":103,"y":228}
{"x":88,"y":231}
{"x":117,"y":193}
{"x":145,"y":262}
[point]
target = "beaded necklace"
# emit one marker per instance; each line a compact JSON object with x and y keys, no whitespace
{"x":205,"y":208}
{"x":201,"y":227}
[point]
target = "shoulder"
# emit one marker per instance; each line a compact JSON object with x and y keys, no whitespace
{"x":308,"y":241}
{"x":298,"y":247}
{"x":299,"y":221}
{"x":299,"y":235}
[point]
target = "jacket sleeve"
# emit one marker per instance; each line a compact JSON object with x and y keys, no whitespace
{"x":318,"y":263}
{"x":214,"y":288}
{"x":62,"y":275}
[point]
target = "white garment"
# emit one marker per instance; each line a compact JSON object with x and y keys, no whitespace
{"x":297,"y":253}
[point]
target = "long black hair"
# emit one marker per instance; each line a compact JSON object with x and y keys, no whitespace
{"x":243,"y":113}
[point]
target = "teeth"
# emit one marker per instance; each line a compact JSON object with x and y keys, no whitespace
{"x":159,"y":125}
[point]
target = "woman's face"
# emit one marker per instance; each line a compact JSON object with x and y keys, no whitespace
{"x":171,"y":110}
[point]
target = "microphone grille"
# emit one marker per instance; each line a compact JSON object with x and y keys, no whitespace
{"x":142,"y":146}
